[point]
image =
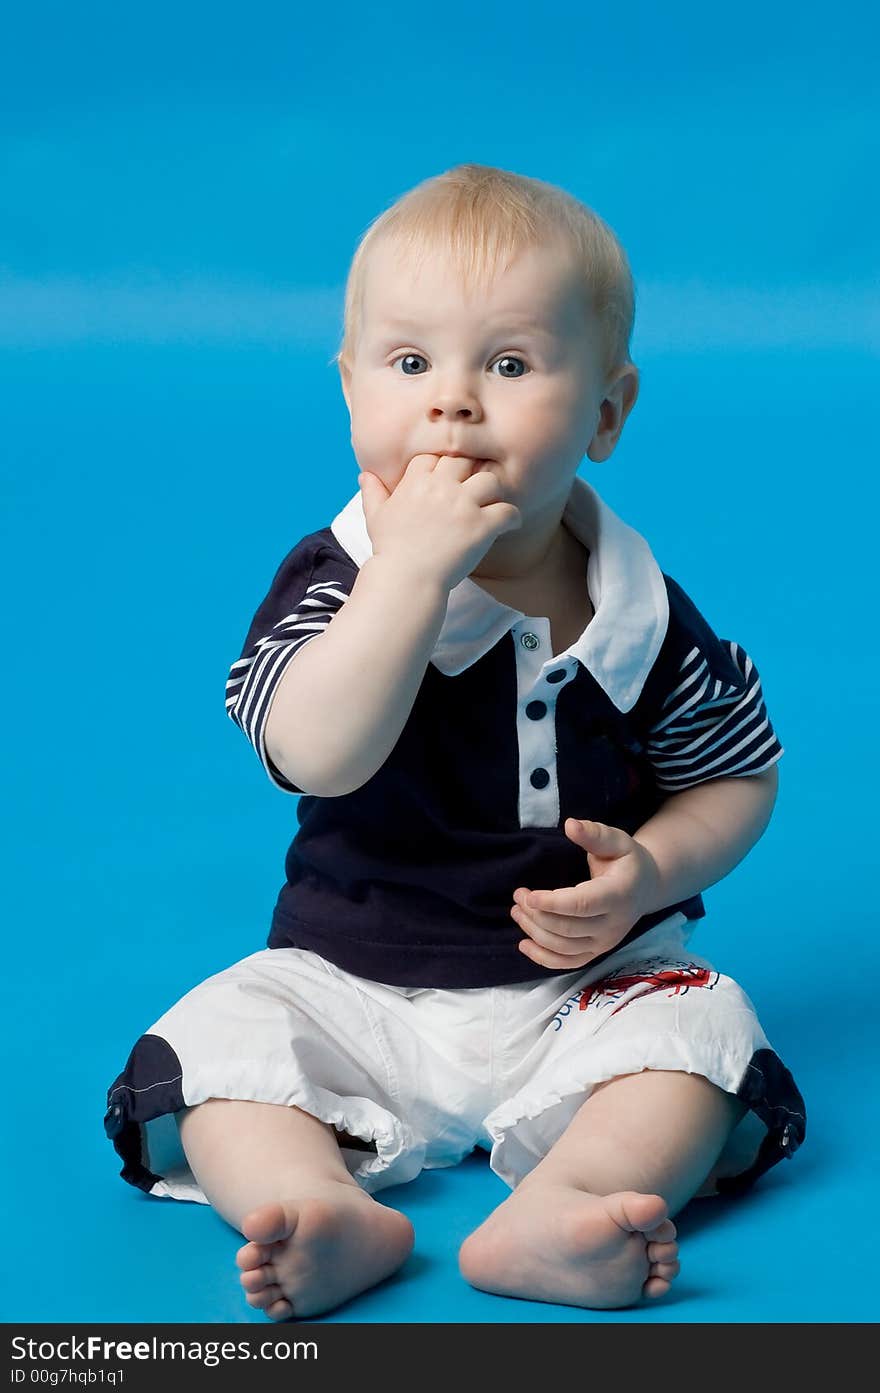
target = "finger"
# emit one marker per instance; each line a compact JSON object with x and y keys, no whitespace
{"x":503,"y":517}
{"x":545,"y":958}
{"x":573,"y":943}
{"x":373,"y":494}
{"x":459,"y":467}
{"x":582,"y":949}
{"x":484,"y":487}
{"x":598,"y":837}
{"x":585,"y":901}
{"x":422,"y":464}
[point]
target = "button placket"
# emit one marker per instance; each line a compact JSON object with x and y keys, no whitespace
{"x":536,"y":727}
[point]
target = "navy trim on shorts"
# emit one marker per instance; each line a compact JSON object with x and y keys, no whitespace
{"x":770,"y":1091}
{"x":150,"y":1085}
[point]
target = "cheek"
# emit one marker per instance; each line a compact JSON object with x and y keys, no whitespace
{"x":545,"y":421}
{"x":375,"y":453}
{"x":379,"y":437}
{"x":540,"y":446}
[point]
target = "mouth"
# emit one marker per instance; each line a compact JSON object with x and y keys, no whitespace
{"x":459,"y":454}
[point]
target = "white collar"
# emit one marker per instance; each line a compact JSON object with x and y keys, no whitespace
{"x":626,"y":586}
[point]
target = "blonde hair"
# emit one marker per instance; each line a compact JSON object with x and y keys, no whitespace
{"x":481,"y":217}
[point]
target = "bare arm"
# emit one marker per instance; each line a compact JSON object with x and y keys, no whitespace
{"x":700,"y":834}
{"x":340,"y":707}
{"x":338,"y":711}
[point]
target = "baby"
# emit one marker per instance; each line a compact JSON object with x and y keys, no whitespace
{"x":523,"y":753}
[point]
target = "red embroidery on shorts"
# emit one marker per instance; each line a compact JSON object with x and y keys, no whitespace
{"x":680,"y":979}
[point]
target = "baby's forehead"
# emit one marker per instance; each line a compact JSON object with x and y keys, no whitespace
{"x":532,"y":284}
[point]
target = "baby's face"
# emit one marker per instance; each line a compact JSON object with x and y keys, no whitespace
{"x":509,"y":374}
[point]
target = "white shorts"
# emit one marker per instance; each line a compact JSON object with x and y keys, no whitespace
{"x":417,"y":1077}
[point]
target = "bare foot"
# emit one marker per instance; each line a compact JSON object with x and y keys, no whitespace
{"x":550,"y":1242}
{"x":309,"y":1255}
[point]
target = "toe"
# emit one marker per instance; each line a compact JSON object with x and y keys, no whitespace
{"x":666,"y":1270}
{"x":262,"y":1300}
{"x":258,"y":1278}
{"x":655,"y":1286}
{"x":663,"y":1233}
{"x":282,"y":1310}
{"x":636,"y":1212}
{"x":268,"y":1224}
{"x":252,"y":1255}
{"x":662,"y":1252}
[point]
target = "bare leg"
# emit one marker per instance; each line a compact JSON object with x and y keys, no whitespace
{"x":276,"y":1174}
{"x":590,"y":1226}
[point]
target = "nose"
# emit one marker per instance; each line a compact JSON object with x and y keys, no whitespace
{"x":454,"y":402}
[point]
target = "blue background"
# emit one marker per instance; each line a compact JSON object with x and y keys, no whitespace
{"x":182,"y":190}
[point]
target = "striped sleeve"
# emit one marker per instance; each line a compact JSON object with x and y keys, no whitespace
{"x":306,"y":593}
{"x":713,"y":722}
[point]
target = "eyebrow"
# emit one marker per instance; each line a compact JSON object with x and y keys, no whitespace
{"x":506,"y":326}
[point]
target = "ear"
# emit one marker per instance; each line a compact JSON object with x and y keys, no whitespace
{"x":620,"y":397}
{"x":345,"y":379}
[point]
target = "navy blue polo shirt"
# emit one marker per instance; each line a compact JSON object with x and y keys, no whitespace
{"x":409,"y":879}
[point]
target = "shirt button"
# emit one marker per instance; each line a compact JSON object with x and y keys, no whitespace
{"x":536,"y":710}
{"x":558,"y":675}
{"x":539,"y":778}
{"x":530,"y":641}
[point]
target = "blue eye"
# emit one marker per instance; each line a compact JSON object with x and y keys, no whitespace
{"x":509,"y":358}
{"x":408,"y":358}
{"x":505,"y":358}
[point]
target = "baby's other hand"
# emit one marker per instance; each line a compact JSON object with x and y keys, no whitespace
{"x":567,"y":928}
{"x":440,"y":519}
